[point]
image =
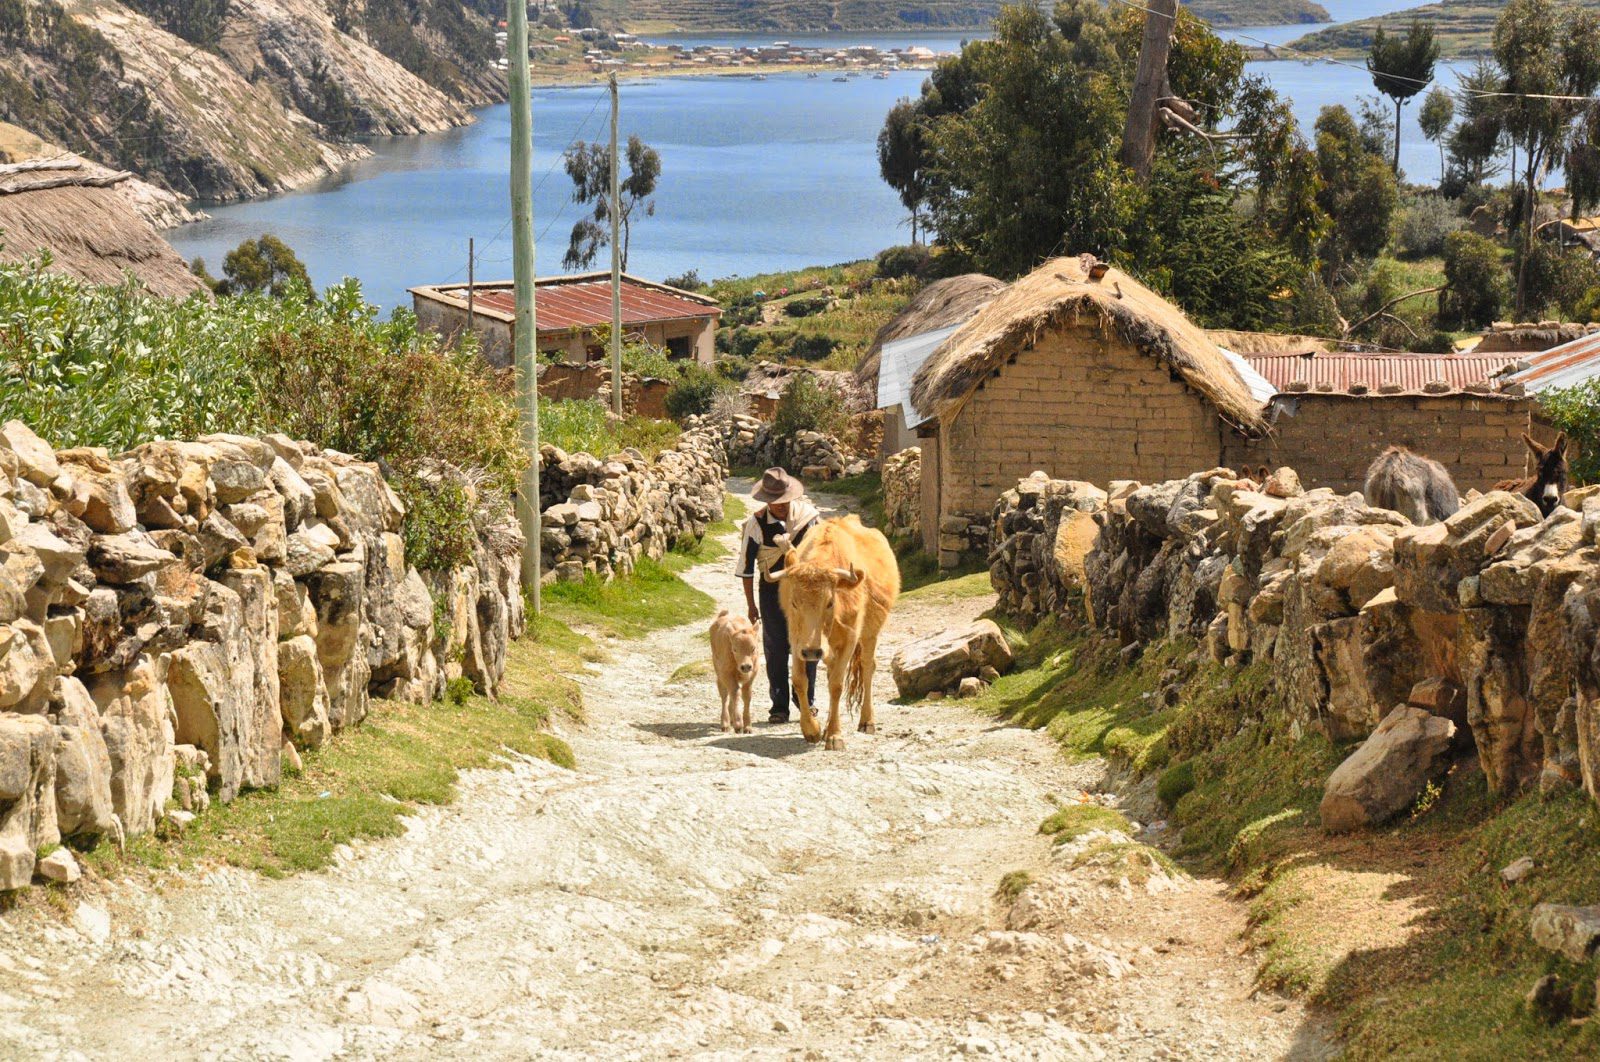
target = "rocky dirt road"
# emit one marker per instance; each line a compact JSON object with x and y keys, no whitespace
{"x":684,"y":893}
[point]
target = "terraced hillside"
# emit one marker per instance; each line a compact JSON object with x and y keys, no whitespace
{"x":1462,"y":27}
{"x":786,"y":16}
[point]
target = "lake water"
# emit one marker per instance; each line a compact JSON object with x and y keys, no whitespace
{"x":756,"y":176}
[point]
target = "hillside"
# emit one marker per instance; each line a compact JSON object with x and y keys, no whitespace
{"x":1462,"y":27}
{"x":266,"y":96}
{"x":789,"y":16}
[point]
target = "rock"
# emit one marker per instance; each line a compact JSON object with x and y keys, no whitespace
{"x":27,"y":798}
{"x":970,"y":687}
{"x":1572,"y":931}
{"x":123,"y":559}
{"x":1283,"y":483}
{"x":234,"y":481}
{"x":302,"y":697}
{"x":27,"y":666}
{"x":36,"y":461}
{"x":136,"y":719}
{"x":60,"y":867}
{"x":939,"y":661}
{"x":1384,"y":777}
{"x":1441,"y":697}
{"x":1516,"y":870}
{"x":1430,"y":561}
{"x":83,"y":773}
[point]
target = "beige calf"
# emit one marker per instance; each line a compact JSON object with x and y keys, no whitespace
{"x":734,"y":648}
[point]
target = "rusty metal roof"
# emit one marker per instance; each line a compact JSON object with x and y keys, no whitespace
{"x":583,"y":301}
{"x":1567,"y":365}
{"x":1380,"y":374}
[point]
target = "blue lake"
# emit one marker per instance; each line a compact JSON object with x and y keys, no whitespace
{"x":756,"y":176}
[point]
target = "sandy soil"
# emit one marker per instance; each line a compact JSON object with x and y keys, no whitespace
{"x":684,"y":893}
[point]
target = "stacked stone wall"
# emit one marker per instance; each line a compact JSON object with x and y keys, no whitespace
{"x":1490,"y":618}
{"x":175,"y":619}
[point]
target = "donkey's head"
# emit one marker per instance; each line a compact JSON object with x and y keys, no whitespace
{"x":1550,"y":474}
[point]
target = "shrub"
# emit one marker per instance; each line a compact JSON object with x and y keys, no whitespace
{"x":689,"y":281}
{"x":909,"y":260}
{"x":1424,"y":226}
{"x":1476,"y":282}
{"x":644,"y":360}
{"x":1560,"y":278}
{"x":807,"y":406}
{"x":812,"y":348}
{"x":733,"y":368}
{"x":438,"y":531}
{"x":584,"y":424}
{"x":694,"y":394}
{"x":807,"y":306}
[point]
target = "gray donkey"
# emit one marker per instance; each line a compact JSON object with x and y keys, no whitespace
{"x":1414,"y":486}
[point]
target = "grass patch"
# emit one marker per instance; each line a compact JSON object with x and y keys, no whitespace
{"x":586,"y":425}
{"x":1075,"y":820}
{"x":694,"y":669}
{"x":1012,"y":885}
{"x":652,"y":598}
{"x":364,"y":780}
{"x":953,"y":587}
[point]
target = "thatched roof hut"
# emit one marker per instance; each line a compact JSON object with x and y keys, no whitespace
{"x":939,"y":305}
{"x":1061,"y":294}
{"x":91,"y":229}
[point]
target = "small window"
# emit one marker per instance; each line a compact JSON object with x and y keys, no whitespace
{"x":680,"y":347}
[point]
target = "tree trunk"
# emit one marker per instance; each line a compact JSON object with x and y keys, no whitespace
{"x":1528,"y":184}
{"x":1397,"y":136}
{"x":1138,"y":136}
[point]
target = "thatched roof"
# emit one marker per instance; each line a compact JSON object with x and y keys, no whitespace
{"x":1269,"y":342}
{"x":92,"y":233}
{"x":1059,"y":294}
{"x":939,"y":305}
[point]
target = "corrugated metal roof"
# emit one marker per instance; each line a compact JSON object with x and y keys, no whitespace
{"x":584,"y":301}
{"x":899,"y":361}
{"x":1261,"y":388}
{"x":1568,"y":365}
{"x":1381,"y":374}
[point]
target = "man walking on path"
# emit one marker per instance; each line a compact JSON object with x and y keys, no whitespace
{"x":782,"y":521}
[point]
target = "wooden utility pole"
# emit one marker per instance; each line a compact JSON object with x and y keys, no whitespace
{"x":1139,"y":135}
{"x":471,"y":282}
{"x":616,"y":262}
{"x":523,"y":274}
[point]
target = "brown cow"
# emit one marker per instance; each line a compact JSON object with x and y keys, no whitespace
{"x":837,"y":590}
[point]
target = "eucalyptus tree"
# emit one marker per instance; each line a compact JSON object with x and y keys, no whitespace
{"x":589,"y":166}
{"x":1438,"y":111}
{"x":1401,"y":67}
{"x":1549,"y":64}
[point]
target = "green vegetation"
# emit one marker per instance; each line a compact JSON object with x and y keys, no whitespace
{"x":366,"y":779}
{"x":652,"y":598}
{"x":1076,"y":820}
{"x":589,"y":166}
{"x":586,"y":425}
{"x":1012,"y":885}
{"x":862,"y":298}
{"x":1576,"y":411}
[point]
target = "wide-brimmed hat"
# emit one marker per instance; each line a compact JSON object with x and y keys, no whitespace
{"x":777,"y":486}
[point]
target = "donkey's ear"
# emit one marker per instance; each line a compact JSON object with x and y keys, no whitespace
{"x":1560,"y":445}
{"x":1533,"y":444}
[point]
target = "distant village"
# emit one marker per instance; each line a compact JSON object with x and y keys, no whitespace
{"x":601,"y":51}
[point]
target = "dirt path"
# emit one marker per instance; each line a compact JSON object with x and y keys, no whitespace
{"x":684,"y":893}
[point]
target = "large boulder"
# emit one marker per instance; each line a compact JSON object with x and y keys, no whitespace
{"x":1384,"y":777}
{"x":27,"y":795}
{"x":136,"y":719}
{"x":940,"y":661}
{"x":1572,"y":931}
{"x":303,"y":700}
{"x":1431,"y":561}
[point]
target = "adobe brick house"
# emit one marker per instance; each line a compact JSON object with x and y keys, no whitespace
{"x":1102,"y":379}
{"x":570,"y":311}
{"x":1091,"y":379}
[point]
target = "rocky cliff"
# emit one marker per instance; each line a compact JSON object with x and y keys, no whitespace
{"x":268,"y":95}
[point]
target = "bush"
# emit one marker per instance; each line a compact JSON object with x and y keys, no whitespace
{"x":807,"y":406}
{"x":694,"y":394}
{"x":910,"y":260}
{"x":1477,"y":285}
{"x":1560,"y":279}
{"x":807,"y":306}
{"x":584,"y":424}
{"x":812,"y":348}
{"x":1425,"y":224}
{"x":1175,"y":783}
{"x":689,"y":281}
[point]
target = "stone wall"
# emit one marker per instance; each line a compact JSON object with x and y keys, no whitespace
{"x":1490,"y":617}
{"x":172,"y":618}
{"x":644,"y":397}
{"x":602,"y":515}
{"x":902,"y":493}
{"x":1475,"y":436}
{"x":814,"y":456}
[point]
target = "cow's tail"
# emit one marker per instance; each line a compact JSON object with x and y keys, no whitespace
{"x":855,"y":682}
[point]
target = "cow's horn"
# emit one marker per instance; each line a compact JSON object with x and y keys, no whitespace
{"x":773,"y":577}
{"x":849,"y":574}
